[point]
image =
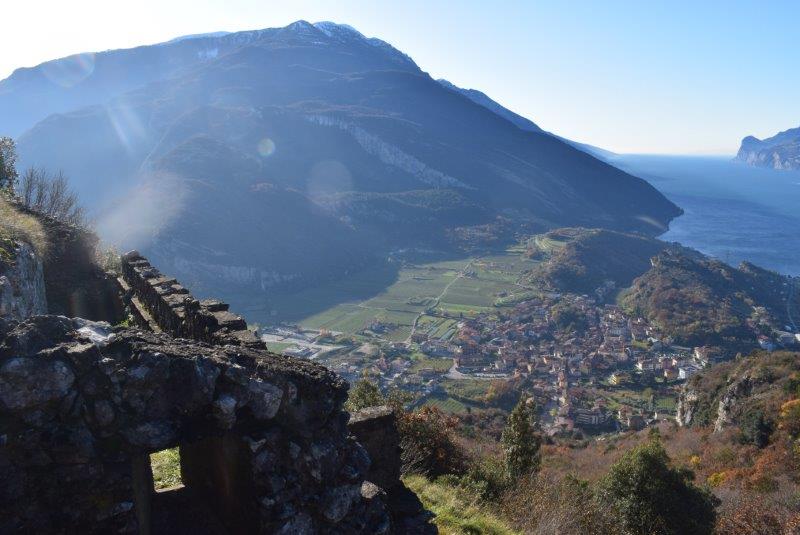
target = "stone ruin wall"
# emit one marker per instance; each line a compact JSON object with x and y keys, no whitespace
{"x":264,"y":440}
{"x":161,"y":303}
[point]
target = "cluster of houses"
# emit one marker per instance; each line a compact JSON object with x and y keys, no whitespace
{"x":572,"y":373}
{"x":565,"y":368}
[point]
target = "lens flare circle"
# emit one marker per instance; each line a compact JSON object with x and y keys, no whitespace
{"x":69,"y":71}
{"x":266,"y":147}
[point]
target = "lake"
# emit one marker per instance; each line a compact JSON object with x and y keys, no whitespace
{"x":732,"y":211}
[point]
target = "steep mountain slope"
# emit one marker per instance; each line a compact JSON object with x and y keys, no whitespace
{"x":781,"y":151}
{"x":296,"y":153}
{"x":482,"y":99}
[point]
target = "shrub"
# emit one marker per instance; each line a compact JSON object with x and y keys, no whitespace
{"x":652,"y":497}
{"x":364,"y":394}
{"x":790,"y":417}
{"x":50,"y":195}
{"x":545,"y":505}
{"x":755,"y":429}
{"x":426,"y":435}
{"x":485,"y":479}
{"x":426,"y":438}
{"x":717,"y":478}
{"x":748,"y":515}
{"x":8,"y":161}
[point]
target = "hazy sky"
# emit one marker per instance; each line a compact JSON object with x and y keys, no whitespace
{"x":658,"y":77}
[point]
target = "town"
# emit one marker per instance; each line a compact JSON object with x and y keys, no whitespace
{"x":590,"y":367}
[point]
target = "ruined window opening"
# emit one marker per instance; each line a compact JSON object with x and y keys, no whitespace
{"x":166,"y":467}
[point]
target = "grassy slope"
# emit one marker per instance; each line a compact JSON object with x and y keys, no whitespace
{"x":17,"y":226}
{"x":453,"y":516}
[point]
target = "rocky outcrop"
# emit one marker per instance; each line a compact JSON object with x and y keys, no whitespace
{"x":738,"y":390}
{"x":263,"y":438}
{"x":22,"y":291}
{"x":686,"y":407}
{"x":781,"y":151}
{"x":74,"y":284}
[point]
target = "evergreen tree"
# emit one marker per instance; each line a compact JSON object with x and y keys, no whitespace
{"x":521,"y":442}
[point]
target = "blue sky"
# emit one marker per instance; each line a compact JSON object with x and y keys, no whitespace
{"x":647,"y":77}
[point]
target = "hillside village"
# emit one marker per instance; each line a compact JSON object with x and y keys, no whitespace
{"x":590,"y":366}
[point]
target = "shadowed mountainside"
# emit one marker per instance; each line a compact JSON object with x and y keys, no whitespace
{"x":293,"y":154}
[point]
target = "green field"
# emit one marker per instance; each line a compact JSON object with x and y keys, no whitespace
{"x":446,"y":404}
{"x":438,"y":293}
{"x":422,"y":361}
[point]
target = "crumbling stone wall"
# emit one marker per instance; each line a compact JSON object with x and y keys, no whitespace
{"x":376,"y":430}
{"x":263,"y":437}
{"x":175,"y":311}
{"x":264,"y":440}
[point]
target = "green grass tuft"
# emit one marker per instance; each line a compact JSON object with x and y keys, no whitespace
{"x":453,"y":515}
{"x":166,"y":467}
{"x":16,"y":226}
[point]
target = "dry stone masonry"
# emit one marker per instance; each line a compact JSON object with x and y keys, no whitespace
{"x":263,"y":438}
{"x":161,"y":303}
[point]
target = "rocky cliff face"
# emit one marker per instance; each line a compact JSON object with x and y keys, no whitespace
{"x":687,"y":405}
{"x":781,"y":151}
{"x":731,"y":399}
{"x":22,"y":289}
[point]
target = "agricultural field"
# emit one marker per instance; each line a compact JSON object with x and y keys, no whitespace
{"x":446,"y":404}
{"x":435,"y":294}
{"x":421,"y":361}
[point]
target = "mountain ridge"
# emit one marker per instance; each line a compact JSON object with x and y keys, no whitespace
{"x":339,"y":128}
{"x":523,"y":123}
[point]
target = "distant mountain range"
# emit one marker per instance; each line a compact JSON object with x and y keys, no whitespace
{"x":276,"y":157}
{"x":781,"y":151}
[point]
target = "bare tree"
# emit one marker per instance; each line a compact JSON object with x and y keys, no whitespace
{"x":50,"y":195}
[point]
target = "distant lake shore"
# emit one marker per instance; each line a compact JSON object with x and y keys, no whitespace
{"x":732,"y":211}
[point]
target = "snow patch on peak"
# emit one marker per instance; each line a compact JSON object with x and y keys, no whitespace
{"x":333,"y":29}
{"x":209,"y":35}
{"x":301,"y":26}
